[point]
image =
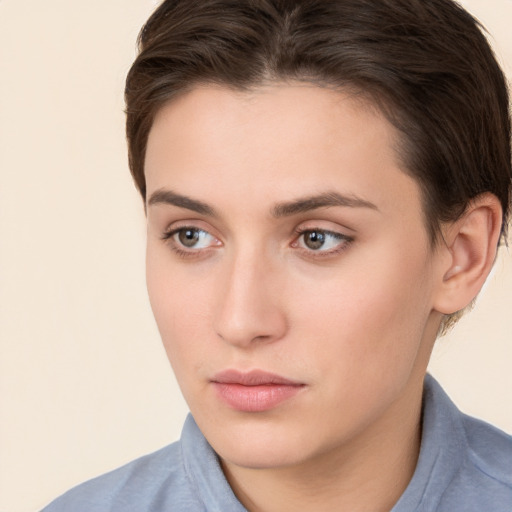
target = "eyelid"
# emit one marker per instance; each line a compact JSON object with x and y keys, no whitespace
{"x":183,"y":251}
{"x":190,"y":223}
{"x":344,"y":241}
{"x":326,"y":225}
{"x":169,"y":233}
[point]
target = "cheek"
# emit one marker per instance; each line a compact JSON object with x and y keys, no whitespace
{"x":179,"y":303}
{"x":370,"y":315}
{"x":180,"y":311}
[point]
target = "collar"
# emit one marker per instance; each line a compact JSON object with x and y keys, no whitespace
{"x":443,"y":445}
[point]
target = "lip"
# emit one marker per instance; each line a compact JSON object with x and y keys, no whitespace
{"x":254,"y":391}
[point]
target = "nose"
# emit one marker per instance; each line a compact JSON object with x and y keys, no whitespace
{"x":250,"y":307}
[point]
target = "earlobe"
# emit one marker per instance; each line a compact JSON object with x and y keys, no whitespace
{"x":471,"y":243}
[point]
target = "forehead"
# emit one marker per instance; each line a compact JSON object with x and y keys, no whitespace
{"x":275,"y":142}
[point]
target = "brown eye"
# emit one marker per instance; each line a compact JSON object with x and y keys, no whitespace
{"x":322,"y":242}
{"x":188,"y":237}
{"x":191,"y":238}
{"x":314,"y":239}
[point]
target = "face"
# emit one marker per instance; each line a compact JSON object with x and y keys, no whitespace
{"x":288,"y":268}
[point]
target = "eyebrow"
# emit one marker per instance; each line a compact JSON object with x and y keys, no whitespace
{"x":325,"y":200}
{"x":285,"y":209}
{"x":169,"y":197}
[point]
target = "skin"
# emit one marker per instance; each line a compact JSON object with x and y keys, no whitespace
{"x":354,"y":321}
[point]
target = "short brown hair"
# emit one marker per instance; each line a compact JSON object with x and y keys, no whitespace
{"x":425,"y":63}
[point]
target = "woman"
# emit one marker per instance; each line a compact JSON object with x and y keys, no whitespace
{"x":326,"y":184}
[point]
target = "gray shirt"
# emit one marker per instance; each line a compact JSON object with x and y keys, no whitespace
{"x":464,"y":465}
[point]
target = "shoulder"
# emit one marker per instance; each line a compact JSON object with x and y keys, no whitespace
{"x":464,"y":464}
{"x":184,"y":476}
{"x":484,"y":479}
{"x":489,"y":450}
{"x":148,"y":483}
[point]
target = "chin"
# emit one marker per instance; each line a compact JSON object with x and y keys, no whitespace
{"x":260,"y":445}
{"x":262,"y":457}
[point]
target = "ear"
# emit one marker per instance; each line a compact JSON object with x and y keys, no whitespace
{"x":470,"y":244}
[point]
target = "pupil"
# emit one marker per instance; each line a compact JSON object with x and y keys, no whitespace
{"x":314,"y":239}
{"x":188,"y":237}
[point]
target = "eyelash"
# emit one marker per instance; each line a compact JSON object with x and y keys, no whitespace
{"x":344,"y":242}
{"x":177,"y":249}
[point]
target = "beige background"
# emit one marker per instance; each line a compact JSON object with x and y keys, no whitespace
{"x":85,"y":385}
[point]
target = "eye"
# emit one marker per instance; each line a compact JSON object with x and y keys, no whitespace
{"x":191,"y":238}
{"x":319,"y":240}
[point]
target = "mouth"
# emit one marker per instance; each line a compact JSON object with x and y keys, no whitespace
{"x":254,"y":391}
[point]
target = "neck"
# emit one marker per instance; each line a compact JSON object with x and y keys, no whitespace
{"x":370,"y":474}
